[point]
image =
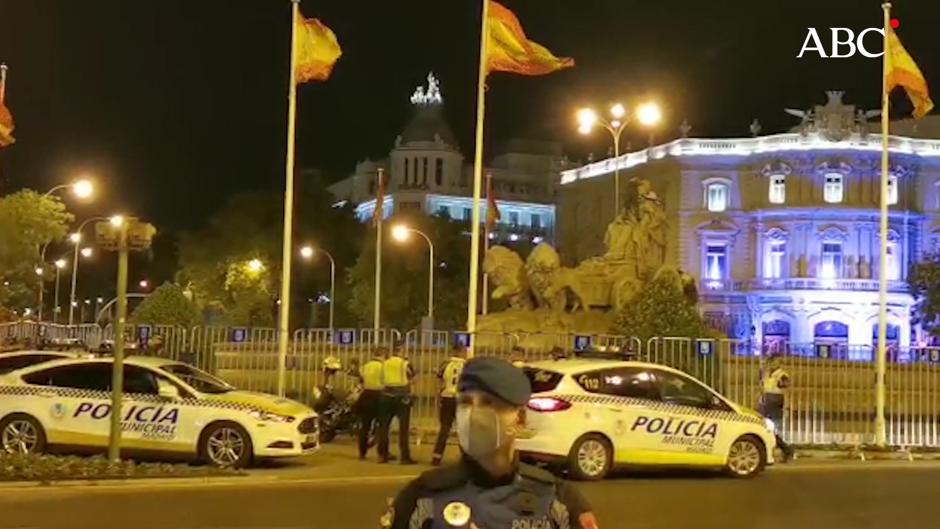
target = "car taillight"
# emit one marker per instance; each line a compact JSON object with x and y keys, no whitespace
{"x":546,"y":404}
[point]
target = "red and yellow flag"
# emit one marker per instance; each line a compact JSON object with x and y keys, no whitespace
{"x":316,"y":49}
{"x":901,"y":70}
{"x":6,"y":126}
{"x":492,"y":208}
{"x":509,"y":50}
{"x":379,"y":210}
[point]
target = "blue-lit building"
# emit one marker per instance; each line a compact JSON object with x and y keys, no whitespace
{"x":782,"y":231}
{"x":426,"y":171}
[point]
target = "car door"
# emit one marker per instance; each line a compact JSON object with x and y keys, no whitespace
{"x":631,"y":413}
{"x":696,"y":427}
{"x":150,"y":421}
{"x":78,"y":403}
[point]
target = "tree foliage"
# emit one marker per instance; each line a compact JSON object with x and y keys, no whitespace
{"x":665,"y":306}
{"x":404,"y":297}
{"x":167,"y":305}
{"x":924,"y":284}
{"x":213,"y":260}
{"x":28,"y":221}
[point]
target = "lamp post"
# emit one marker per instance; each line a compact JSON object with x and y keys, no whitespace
{"x":82,"y":188}
{"x":307,"y":252}
{"x":401,"y":234}
{"x":59,"y":265}
{"x":648,"y":114}
{"x":39,"y":273}
{"x":76,"y":239}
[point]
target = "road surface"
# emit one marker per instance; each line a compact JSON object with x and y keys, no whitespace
{"x":338,"y":492}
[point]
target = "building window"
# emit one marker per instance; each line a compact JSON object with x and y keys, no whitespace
{"x":406,"y":171}
{"x":892,"y":190}
{"x":778,"y":189}
{"x":439,"y":171}
{"x":893,"y":263}
{"x":536,"y":221}
{"x":514,"y":218}
{"x":467,"y":214}
{"x":716,"y":262}
{"x":831,"y":260}
{"x":716,"y":197}
{"x":443,"y":211}
{"x":424,"y":172}
{"x":776,"y":260}
{"x":832,"y":192}
{"x":414,"y":170}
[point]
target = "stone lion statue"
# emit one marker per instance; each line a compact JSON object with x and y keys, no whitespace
{"x":541,"y":268}
{"x":506,"y":271}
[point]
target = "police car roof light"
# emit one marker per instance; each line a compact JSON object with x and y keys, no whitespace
{"x":548,"y":404}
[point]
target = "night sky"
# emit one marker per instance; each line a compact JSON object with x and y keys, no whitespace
{"x":176,"y":104}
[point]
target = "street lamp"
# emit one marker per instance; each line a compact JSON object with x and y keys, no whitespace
{"x":59,"y":265}
{"x":86,"y":252}
{"x":648,"y":114}
{"x":42,"y":287}
{"x":82,"y":188}
{"x":255,"y":266}
{"x":402,"y":233}
{"x":307,"y":252}
{"x":76,"y":239}
{"x":144,"y":284}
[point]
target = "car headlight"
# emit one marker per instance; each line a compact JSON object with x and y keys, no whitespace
{"x":270,"y":417}
{"x":769,"y":424}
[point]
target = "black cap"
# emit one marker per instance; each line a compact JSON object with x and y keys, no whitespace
{"x":496,"y":377}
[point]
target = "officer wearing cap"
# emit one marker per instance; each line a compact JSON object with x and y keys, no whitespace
{"x":369,"y":405}
{"x":489,"y":488}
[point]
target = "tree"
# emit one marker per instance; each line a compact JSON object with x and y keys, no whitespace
{"x":167,"y":305}
{"x":28,"y":221}
{"x":666,"y":306}
{"x":405,"y":275}
{"x":924,"y":284}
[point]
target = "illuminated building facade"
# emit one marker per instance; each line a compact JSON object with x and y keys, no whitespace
{"x":782,"y":231}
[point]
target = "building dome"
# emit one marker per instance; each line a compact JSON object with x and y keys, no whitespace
{"x":428,"y":125}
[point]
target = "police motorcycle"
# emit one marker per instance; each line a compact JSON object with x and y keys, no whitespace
{"x":337,"y":410}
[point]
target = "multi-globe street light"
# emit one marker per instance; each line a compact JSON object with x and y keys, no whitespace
{"x":648,"y":114}
{"x":308,"y":252}
{"x":402,"y":233}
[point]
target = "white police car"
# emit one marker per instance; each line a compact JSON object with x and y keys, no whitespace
{"x":169,"y":407}
{"x":593,"y":414}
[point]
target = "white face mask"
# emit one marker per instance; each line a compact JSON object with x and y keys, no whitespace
{"x":480,"y":431}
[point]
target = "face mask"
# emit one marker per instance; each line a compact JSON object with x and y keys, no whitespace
{"x":480,"y":431}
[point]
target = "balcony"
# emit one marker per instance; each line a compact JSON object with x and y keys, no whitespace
{"x":799,"y":283}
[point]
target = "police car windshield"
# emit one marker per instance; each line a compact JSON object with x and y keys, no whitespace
{"x":199,"y":380}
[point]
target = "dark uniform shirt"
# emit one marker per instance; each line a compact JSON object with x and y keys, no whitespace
{"x":529,"y":498}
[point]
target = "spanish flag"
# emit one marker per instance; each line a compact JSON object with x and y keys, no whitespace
{"x":509,"y":50}
{"x":6,"y":127}
{"x":316,"y":50}
{"x":901,"y":70}
{"x":492,"y":208}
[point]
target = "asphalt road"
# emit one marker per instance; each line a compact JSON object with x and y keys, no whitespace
{"x":806,"y":496}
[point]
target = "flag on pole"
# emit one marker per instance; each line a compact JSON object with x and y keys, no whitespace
{"x":492,"y":208}
{"x":316,"y":48}
{"x":379,"y":210}
{"x":6,"y":118}
{"x":509,"y":50}
{"x":901,"y":70}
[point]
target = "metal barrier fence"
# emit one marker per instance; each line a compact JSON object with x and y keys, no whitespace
{"x":831,"y":399}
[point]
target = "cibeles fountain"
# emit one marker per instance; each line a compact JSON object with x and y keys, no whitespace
{"x":545,"y":297}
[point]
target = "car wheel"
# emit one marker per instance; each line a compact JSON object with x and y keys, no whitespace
{"x":746,"y":457}
{"x":22,"y":434}
{"x":226,"y":445}
{"x":590,"y":458}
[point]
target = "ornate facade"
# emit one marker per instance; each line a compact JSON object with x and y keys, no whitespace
{"x":781,"y":232}
{"x":426,"y":172}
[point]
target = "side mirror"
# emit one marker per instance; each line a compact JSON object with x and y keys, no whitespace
{"x":168,"y":391}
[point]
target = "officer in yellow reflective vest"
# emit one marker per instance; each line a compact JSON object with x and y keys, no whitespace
{"x":396,"y":403}
{"x":369,"y":405}
{"x":449,"y":374}
{"x":774,"y":381}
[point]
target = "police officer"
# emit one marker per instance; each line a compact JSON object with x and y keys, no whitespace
{"x":369,"y":405}
{"x":449,"y":374}
{"x":396,"y":404}
{"x":774,"y":381}
{"x":489,"y":488}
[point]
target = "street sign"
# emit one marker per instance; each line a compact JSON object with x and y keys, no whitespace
{"x":462,"y":339}
{"x":239,"y":334}
{"x":704,"y":347}
{"x":346,"y":336}
{"x":144,"y":331}
{"x":582,"y":342}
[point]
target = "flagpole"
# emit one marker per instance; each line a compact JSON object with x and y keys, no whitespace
{"x":286,"y":254}
{"x":3,"y":82}
{"x":477,"y":181}
{"x":376,"y":317}
{"x":881,"y":360}
{"x":486,"y":244}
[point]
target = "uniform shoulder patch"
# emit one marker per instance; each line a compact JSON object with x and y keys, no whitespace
{"x":444,"y":478}
{"x":536,"y":473}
